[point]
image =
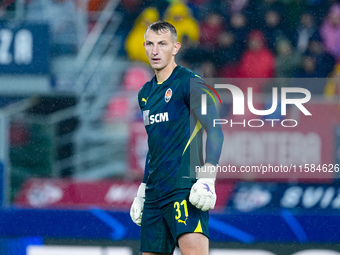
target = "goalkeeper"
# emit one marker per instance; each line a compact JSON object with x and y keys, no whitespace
{"x":172,"y":205}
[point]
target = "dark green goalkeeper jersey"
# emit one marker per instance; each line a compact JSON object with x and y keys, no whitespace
{"x":174,"y":125}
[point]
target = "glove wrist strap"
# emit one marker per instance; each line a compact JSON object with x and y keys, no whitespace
{"x":207,"y":171}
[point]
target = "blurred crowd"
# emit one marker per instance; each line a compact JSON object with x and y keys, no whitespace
{"x":244,"y":38}
{"x":69,"y":21}
{"x":220,"y":38}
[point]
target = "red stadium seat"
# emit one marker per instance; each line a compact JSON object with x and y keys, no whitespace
{"x":118,"y":108}
{"x":135,"y":77}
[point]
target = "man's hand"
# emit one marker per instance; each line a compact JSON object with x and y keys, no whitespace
{"x":202,"y":194}
{"x":137,"y":206}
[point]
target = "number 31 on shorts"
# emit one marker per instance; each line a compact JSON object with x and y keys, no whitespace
{"x":179,"y":209}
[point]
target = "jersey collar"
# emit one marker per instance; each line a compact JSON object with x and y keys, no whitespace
{"x":171,"y":77}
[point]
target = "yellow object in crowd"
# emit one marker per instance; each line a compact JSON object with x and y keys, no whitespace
{"x":332,"y":88}
{"x":134,"y":41}
{"x":179,"y":15}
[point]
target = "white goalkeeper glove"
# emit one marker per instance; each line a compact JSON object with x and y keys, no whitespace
{"x":202,"y":194}
{"x":137,"y":206}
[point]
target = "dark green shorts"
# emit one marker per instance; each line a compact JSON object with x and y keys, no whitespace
{"x":162,"y":225}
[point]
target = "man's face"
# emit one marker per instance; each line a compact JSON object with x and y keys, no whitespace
{"x":160,"y":48}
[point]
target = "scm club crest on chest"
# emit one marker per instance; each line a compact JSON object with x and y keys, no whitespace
{"x":168,"y":95}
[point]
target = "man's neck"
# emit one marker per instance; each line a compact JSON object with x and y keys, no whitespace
{"x":163,"y":74}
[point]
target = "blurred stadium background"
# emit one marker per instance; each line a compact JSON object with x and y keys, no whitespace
{"x":72,"y":143}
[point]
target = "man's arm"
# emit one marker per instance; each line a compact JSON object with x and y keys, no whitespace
{"x":146,"y":169}
{"x":214,"y":136}
{"x":202,"y":194}
{"x":198,"y":87}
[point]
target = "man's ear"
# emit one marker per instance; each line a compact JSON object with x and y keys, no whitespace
{"x":176,"y":48}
